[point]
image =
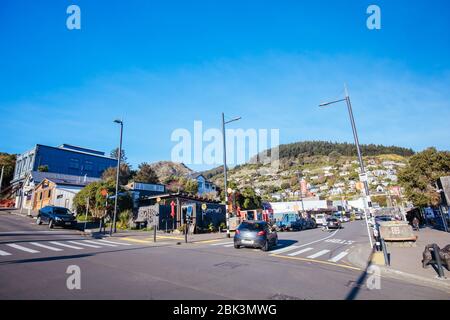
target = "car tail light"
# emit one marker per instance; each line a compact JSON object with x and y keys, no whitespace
{"x":237,"y":231}
{"x":261,"y":233}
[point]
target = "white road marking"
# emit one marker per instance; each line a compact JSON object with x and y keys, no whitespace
{"x":45,"y":247}
{"x":339,"y":256}
{"x":331,"y":235}
{"x":296,"y":253}
{"x":229,"y":245}
{"x":19,"y":247}
{"x":219,"y":244}
{"x":118,"y":243}
{"x":4,"y":253}
{"x":318,"y":254}
{"x":65,"y":245}
{"x":100,"y":244}
{"x":285,"y":249}
{"x":84,"y":244}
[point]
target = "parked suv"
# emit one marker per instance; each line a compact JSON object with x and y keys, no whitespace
{"x":56,"y":216}
{"x":255,"y":234}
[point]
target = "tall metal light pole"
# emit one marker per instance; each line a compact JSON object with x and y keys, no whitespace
{"x":301,"y":192}
{"x":119,"y":155}
{"x":225,"y":170}
{"x":1,"y":178}
{"x":363,"y":176}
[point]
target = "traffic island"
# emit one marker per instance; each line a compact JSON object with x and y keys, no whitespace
{"x":405,"y":261}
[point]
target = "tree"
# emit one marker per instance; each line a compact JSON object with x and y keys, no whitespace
{"x":146,"y":174}
{"x":97,"y":202}
{"x":115,"y":155}
{"x":43,"y":168}
{"x":248,"y":199}
{"x":191,"y":186}
{"x":419,"y":177}
{"x":8,"y":161}
{"x":124,"y":176}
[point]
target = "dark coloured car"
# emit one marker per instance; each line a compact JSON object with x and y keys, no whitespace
{"x":255,"y":234}
{"x":333,"y":223}
{"x":290,"y":222}
{"x":309,"y":223}
{"x":56,"y":216}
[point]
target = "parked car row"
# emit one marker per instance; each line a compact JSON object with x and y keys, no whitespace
{"x":292,"y":222}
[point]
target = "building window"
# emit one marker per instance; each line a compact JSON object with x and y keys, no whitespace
{"x":49,"y":193}
{"x":74,"y":163}
{"x":88,"y":165}
{"x":40,"y":196}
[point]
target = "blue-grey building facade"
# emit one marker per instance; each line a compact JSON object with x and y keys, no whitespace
{"x":64,"y":159}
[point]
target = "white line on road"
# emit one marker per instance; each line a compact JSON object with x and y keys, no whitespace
{"x":118,"y":243}
{"x":339,"y":256}
{"x":100,"y":244}
{"x":219,"y":244}
{"x":296,"y":253}
{"x":4,"y":253}
{"x":318,"y":254}
{"x":45,"y":247}
{"x":285,"y":249}
{"x":19,"y":247}
{"x":84,"y":244}
{"x":229,"y":245}
{"x":331,"y":235}
{"x":65,"y":245}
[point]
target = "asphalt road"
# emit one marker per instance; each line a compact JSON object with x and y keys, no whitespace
{"x":312,"y":264}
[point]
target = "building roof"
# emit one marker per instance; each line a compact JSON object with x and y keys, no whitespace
{"x":59,"y":178}
{"x":195,"y":175}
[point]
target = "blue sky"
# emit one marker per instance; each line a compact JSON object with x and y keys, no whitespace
{"x":161,"y":65}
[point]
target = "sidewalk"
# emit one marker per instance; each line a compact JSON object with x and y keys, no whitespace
{"x":406,"y":261}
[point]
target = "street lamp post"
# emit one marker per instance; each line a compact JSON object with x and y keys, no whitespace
{"x":119,"y":155}
{"x":367,"y":202}
{"x":225,"y":190}
{"x":301,"y":192}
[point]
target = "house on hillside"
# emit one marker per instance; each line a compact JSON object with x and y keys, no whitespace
{"x":204,"y":186}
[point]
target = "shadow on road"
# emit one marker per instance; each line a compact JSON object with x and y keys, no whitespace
{"x":284,"y":243}
{"x":359,"y":284}
{"x":74,"y":256}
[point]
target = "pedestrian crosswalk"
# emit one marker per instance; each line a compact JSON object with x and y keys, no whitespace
{"x":35,"y":247}
{"x":297,"y":250}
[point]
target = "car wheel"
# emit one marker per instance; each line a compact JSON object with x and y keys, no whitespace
{"x":50,"y":224}
{"x":266,"y":246}
{"x":38,"y":221}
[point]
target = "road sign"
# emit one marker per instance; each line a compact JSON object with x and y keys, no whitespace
{"x":363,"y":177}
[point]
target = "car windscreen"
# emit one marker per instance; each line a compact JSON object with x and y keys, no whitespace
{"x":61,"y":211}
{"x":251,"y":226}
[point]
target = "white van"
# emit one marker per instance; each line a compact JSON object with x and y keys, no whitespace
{"x":321,"y":219}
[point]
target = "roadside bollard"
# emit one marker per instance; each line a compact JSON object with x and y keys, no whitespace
{"x":438,"y":261}
{"x":385,"y":253}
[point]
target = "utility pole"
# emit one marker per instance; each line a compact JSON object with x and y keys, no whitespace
{"x":363,"y":177}
{"x":225,"y":190}
{"x":1,"y":178}
{"x":301,"y":192}
{"x":117,"y":176}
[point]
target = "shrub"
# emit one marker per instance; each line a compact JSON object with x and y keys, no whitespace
{"x":124,"y":219}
